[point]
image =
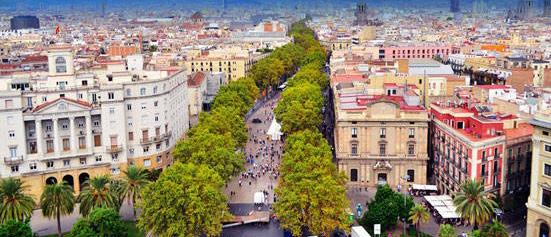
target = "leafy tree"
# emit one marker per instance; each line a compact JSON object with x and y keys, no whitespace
{"x":185,"y":201}
{"x":14,"y":228}
{"x":15,"y":204}
{"x":446,"y":230}
{"x":97,"y":193}
{"x":311,"y":192}
{"x":386,"y":209}
{"x":315,"y":57}
{"x":494,"y":229}
{"x":418,"y":214}
{"x":57,"y":200}
{"x":102,"y":222}
{"x":230,"y":99}
{"x":116,"y":187}
{"x":214,"y":150}
{"x":135,"y":179}
{"x":267,"y":72}
{"x":473,"y":204}
{"x":223,"y":120}
{"x":300,"y":108}
{"x":310,"y":75}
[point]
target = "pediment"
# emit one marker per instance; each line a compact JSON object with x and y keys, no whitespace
{"x":384,"y":109}
{"x":62,"y":105}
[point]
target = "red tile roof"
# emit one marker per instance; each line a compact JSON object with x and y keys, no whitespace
{"x":196,"y":79}
{"x":522,"y":130}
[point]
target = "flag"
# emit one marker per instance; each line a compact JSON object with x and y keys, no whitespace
{"x":57,"y":30}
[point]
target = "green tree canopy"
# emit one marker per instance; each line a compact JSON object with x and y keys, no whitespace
{"x":386,"y":208}
{"x":15,"y":203}
{"x":102,"y":222}
{"x":300,"y":108}
{"x":223,"y":120}
{"x":230,"y":99}
{"x":14,"y":228}
{"x":309,"y":75}
{"x":418,"y":214}
{"x":311,"y":190}
{"x":214,"y":150}
{"x":267,"y":72}
{"x":185,"y":201}
{"x":135,"y":178}
{"x":446,"y":230}
{"x":494,"y":229}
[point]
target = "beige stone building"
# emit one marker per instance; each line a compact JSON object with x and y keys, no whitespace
{"x":379,"y":139}
{"x":539,"y":201}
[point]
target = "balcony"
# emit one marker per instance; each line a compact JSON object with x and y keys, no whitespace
{"x":113,"y":148}
{"x":13,"y":160}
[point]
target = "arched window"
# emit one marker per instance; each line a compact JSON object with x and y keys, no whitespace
{"x":60,"y":65}
{"x":544,"y":230}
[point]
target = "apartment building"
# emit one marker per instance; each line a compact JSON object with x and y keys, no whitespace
{"x":468,"y":141}
{"x":380,"y":138}
{"x":539,"y":202}
{"x":71,"y":125}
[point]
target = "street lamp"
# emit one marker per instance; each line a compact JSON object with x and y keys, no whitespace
{"x":405,"y":178}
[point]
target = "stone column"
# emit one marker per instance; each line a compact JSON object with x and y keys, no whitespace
{"x":73,"y":141}
{"x":39,"y":137}
{"x":55,"y":128}
{"x":89,"y":138}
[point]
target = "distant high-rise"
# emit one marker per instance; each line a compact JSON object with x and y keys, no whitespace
{"x":454,"y":6}
{"x":547,"y":8}
{"x":24,"y":22}
{"x":362,"y":17}
{"x":479,"y":7}
{"x":525,"y":9}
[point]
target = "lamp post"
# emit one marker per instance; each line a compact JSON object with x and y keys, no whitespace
{"x":405,"y":178}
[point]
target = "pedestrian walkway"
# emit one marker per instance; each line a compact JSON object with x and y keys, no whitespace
{"x":262,"y":159}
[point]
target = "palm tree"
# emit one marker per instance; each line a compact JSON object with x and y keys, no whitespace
{"x":56,"y":200}
{"x":495,"y":229}
{"x":135,"y":179}
{"x":96,"y":193}
{"x":418,"y":214}
{"x":14,"y":203}
{"x":473,"y":204}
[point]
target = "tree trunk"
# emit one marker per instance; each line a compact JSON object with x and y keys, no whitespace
{"x":417,"y":228}
{"x":134,"y":210}
{"x":58,"y":223}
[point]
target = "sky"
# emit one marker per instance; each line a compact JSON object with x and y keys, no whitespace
{"x":30,"y":4}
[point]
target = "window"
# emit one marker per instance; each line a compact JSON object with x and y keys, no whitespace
{"x":354,"y":132}
{"x":66,"y":144}
{"x":146,"y":149}
{"x":411,"y":175}
{"x":547,"y":148}
{"x":156,"y":103}
{"x":50,"y":164}
{"x":81,"y":142}
{"x":60,"y":65}
{"x":112,"y":110}
{"x":129,"y":107}
{"x":411,"y":133}
{"x":66,"y":163}
{"x":544,"y":230}
{"x":98,"y":158}
{"x":354,"y":149}
{"x":545,"y":133}
{"x":143,"y":106}
{"x":115,"y":171}
{"x":354,"y":175}
{"x":146,"y":162}
{"x":97,"y":140}
{"x":411,"y":149}
{"x":84,"y":82}
{"x":159,"y":159}
{"x":8,"y":104}
{"x":158,"y":146}
{"x":65,"y":126}
{"x":13,"y":152}
{"x":382,"y":149}
{"x":142,"y":91}
{"x":128,"y":92}
{"x":546,"y":198}
{"x":155,"y":90}
{"x":83,"y":161}
{"x":11,"y":133}
{"x":547,"y":170}
{"x":131,"y":136}
{"x":15,"y":169}
{"x":382,"y":133}
{"x":49,"y":146}
{"x":32,"y":166}
{"x":459,"y":125}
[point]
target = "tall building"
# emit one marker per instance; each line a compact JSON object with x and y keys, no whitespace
{"x":71,"y":125}
{"x":380,"y":138}
{"x":547,"y":8}
{"x":454,"y":6}
{"x":479,"y":7}
{"x":362,"y":18}
{"x":539,"y":202}
{"x":24,"y":22}
{"x":525,"y":9}
{"x":467,"y":142}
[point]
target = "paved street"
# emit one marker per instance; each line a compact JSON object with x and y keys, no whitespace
{"x":262,"y":157}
